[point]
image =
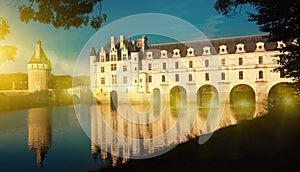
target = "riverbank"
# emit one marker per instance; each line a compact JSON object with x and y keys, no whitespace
{"x":25,"y":100}
{"x":266,"y":143}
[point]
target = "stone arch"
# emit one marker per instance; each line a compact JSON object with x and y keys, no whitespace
{"x":178,"y":97}
{"x":207,"y":95}
{"x":113,"y":99}
{"x":282,"y":93}
{"x":242,"y":95}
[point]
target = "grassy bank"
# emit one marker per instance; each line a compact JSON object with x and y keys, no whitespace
{"x":268,"y":143}
{"x":31,"y":100}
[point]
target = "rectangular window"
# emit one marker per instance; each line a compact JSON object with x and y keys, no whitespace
{"x":282,"y":74}
{"x":163,"y":78}
{"x":149,"y":66}
{"x":223,"y":62}
{"x":113,"y":67}
{"x":206,"y":63}
{"x":124,"y":56}
{"x":190,"y":77}
{"x":222,"y":76}
{"x":113,"y":57}
{"x":260,"y":74}
{"x":124,"y":79}
{"x":102,"y":80}
{"x":241,"y":75}
{"x":260,"y":60}
{"x":124,"y":68}
{"x":102,"y":69}
{"x":114,"y":79}
{"x":240,"y":61}
{"x":206,"y":76}
{"x":164,"y":66}
{"x":190,"y":64}
{"x":176,"y":77}
{"x":149,"y":78}
{"x":176,"y":65}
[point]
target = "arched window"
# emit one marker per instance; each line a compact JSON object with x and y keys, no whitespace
{"x":260,"y":74}
{"x":163,"y":78}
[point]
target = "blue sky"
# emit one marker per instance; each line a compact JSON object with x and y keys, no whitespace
{"x":63,"y":47}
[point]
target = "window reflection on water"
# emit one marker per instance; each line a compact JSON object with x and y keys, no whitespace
{"x":119,"y":149}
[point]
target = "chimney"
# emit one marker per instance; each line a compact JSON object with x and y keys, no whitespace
{"x":122,"y":39}
{"x":112,"y":42}
{"x":38,"y":49}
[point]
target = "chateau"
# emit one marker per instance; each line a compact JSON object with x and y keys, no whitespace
{"x":39,"y":69}
{"x":133,"y":71}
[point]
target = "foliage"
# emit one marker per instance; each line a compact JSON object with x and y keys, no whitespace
{"x":281,"y":19}
{"x":4,"y":28}
{"x":7,"y":52}
{"x":17,"y":80}
{"x":64,"y":13}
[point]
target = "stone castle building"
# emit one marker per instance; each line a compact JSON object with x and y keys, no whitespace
{"x":39,"y":69}
{"x":132,"y":71}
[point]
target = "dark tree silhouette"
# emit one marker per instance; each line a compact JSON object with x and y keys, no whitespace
{"x":281,"y":19}
{"x":60,"y":13}
{"x":63,"y":13}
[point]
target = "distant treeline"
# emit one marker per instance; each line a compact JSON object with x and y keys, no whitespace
{"x":19,"y":81}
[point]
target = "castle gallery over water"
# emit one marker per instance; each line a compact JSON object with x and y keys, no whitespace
{"x":133,"y":71}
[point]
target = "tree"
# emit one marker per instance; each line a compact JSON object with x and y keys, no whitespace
{"x":63,"y":13}
{"x":281,"y":19}
{"x":7,"y":52}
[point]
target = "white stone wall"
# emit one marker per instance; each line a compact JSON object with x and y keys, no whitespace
{"x":250,"y":68}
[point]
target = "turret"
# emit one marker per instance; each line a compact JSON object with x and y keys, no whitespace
{"x":39,"y":68}
{"x":93,"y":56}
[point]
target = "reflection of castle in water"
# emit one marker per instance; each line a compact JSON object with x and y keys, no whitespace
{"x":115,"y":136}
{"x":39,"y":132}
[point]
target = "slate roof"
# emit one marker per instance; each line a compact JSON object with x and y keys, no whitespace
{"x":43,"y":58}
{"x":248,"y":41}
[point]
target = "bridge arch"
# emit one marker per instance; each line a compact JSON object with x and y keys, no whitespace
{"x":282,"y":93}
{"x":113,"y":99}
{"x":207,"y":95}
{"x":242,"y":95}
{"x":178,"y":97}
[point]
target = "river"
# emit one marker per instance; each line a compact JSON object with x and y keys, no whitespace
{"x":58,"y":138}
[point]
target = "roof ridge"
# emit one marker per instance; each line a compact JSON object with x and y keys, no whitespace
{"x":214,"y":39}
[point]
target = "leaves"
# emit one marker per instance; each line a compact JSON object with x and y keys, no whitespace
{"x":4,"y":28}
{"x":7,"y":53}
{"x":64,"y":13}
{"x":281,"y":19}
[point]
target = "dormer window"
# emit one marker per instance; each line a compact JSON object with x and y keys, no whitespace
{"x":280,"y":44}
{"x":260,"y":46}
{"x":190,"y":52}
{"x":223,"y":49}
{"x":164,"y":54}
{"x":240,"y":48}
{"x":149,"y":55}
{"x":176,"y":53}
{"x":206,"y":51}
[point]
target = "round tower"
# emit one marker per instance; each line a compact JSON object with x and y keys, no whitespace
{"x":39,"y":69}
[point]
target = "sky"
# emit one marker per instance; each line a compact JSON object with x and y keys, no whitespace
{"x":63,"y":47}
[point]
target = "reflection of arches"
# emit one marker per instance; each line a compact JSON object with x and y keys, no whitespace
{"x":177,"y":96}
{"x":156,"y":97}
{"x":282,"y":93}
{"x":113,"y":100}
{"x":243,"y":95}
{"x":207,"y":95}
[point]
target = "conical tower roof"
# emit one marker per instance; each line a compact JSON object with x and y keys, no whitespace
{"x":39,"y":55}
